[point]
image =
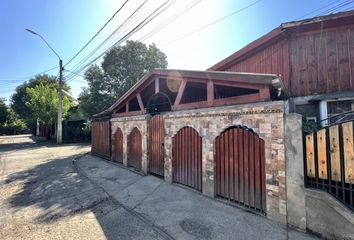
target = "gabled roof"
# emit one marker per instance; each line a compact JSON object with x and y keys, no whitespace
{"x":255,"y":79}
{"x":281,"y":32}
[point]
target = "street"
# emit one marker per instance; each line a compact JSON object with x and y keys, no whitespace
{"x":62,"y":192}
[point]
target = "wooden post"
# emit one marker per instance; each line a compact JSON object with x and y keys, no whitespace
{"x":210,"y":92}
{"x":157,"y":85}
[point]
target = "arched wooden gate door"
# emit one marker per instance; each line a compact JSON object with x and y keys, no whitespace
{"x":240,"y":167}
{"x":156,"y":145}
{"x":187,"y":158}
{"x":117,"y":154}
{"x":134,"y":149}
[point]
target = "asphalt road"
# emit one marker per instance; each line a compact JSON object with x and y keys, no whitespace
{"x":45,"y":195}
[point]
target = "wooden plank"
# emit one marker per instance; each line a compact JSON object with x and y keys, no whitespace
{"x":332,"y":67}
{"x":335,"y":153}
{"x":311,"y":65}
{"x":351,"y":55}
{"x":236,"y":164}
{"x":322,"y":154}
{"x":251,"y":169}
{"x":210,"y":92}
{"x":241,"y":168}
{"x":310,"y":155}
{"x":180,"y":93}
{"x":320,"y":52}
{"x":263,"y":174}
{"x":222,"y":165}
{"x":231,"y":165}
{"x":140,"y":101}
{"x":258,"y":183}
{"x":246,"y":164}
{"x":226,"y":162}
{"x":157,"y":85}
{"x":343,"y":60}
{"x":348,"y":152}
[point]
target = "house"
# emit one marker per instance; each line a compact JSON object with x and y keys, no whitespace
{"x":315,"y":58}
{"x":174,"y":124}
{"x":227,"y":133}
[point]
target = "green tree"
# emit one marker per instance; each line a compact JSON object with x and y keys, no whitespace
{"x":121,"y":68}
{"x":98,"y":95}
{"x":43,"y":102}
{"x":4,"y":112}
{"x":20,"y":97}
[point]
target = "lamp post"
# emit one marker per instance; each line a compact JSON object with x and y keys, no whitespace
{"x":60,"y":83}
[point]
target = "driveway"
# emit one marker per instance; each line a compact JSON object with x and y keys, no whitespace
{"x":44,"y":194}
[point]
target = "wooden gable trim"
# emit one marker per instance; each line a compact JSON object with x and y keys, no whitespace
{"x":250,"y":98}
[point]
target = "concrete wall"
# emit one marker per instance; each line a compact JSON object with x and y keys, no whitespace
{"x":295,"y":188}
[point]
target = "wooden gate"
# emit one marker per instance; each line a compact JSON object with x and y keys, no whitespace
{"x":240,"y":167}
{"x":117,"y":150}
{"x":134,"y":149}
{"x":187,"y":158}
{"x":101,"y":139}
{"x":156,"y":146}
{"x":329,"y":161}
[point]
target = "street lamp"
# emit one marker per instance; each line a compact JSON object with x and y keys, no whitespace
{"x":60,"y":83}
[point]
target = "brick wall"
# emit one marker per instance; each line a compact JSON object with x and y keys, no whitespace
{"x":266,"y":119}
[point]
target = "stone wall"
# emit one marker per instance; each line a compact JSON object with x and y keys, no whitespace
{"x":265,"y":119}
{"x":126,"y":124}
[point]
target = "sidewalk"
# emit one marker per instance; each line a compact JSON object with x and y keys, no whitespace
{"x":177,"y":212}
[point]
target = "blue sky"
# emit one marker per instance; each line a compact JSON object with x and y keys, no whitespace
{"x":67,"y":25}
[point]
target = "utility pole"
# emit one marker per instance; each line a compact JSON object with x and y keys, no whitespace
{"x":60,"y":107}
{"x":60,"y":88}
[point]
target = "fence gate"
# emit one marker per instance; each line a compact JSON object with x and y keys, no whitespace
{"x":187,"y":158}
{"x":240,"y":167}
{"x":101,"y":139}
{"x":134,"y":149}
{"x":117,"y":150}
{"x":156,"y":145}
{"x":329,"y":161}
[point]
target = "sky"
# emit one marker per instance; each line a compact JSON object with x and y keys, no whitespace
{"x":68,"y":25}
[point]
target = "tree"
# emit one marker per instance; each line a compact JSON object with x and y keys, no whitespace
{"x":43,"y":102}
{"x":20,"y":97}
{"x":121,"y":68}
{"x":97,"y":96}
{"x":9,"y":121}
{"x":4,"y":113}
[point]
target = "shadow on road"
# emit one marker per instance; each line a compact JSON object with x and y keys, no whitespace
{"x":52,"y":191}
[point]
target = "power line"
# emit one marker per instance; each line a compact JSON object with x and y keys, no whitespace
{"x":114,"y":32}
{"x":143,"y":23}
{"x":97,"y":33}
{"x":164,"y":24}
{"x":313,"y":11}
{"x":214,"y":22}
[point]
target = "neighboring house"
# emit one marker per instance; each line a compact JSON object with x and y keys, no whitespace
{"x":315,"y":58}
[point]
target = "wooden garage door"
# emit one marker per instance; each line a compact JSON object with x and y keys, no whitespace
{"x":134,"y":149}
{"x":117,"y":150}
{"x":240,"y":169}
{"x":100,"y":143}
{"x":156,"y":141}
{"x":187,"y":158}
